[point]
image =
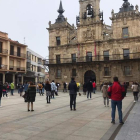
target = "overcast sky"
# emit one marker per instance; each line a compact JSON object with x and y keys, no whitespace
{"x":29,"y":18}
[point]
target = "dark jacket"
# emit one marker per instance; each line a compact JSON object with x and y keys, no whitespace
{"x":116,"y":92}
{"x":65,"y":85}
{"x":72,"y":87}
{"x":31,"y":93}
{"x":89,"y":86}
{"x":1,"y":86}
{"x":48,"y":87}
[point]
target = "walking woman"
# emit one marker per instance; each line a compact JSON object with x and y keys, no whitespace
{"x":135,"y":89}
{"x":31,"y":94}
{"x":105,"y":94}
{"x":48,"y":91}
{"x":0,"y":92}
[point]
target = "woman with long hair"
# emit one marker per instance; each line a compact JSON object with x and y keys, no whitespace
{"x":48,"y":91}
{"x":31,"y":94}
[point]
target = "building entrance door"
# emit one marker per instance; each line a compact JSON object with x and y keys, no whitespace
{"x":89,"y":75}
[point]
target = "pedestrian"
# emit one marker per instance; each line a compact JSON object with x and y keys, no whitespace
{"x":135,"y":89}
{"x":73,"y":93}
{"x":4,"y":90}
{"x":125,"y":87}
{"x":65,"y":87}
{"x":105,"y":94}
{"x":94,"y":87}
{"x":1,"y":88}
{"x":78,"y":87}
{"x":26,"y":87}
{"x":56,"y":91}
{"x":12,"y":88}
{"x":84,"y":88}
{"x":43,"y":87}
{"x":21,"y":87}
{"x":31,"y":94}
{"x":8,"y":88}
{"x":89,"y":88}
{"x":117,"y":93}
{"x":48,"y":91}
{"x":40,"y":89}
{"x":53,"y":88}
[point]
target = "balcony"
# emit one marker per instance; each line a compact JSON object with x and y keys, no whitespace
{"x":15,"y":54}
{"x":16,"y":68}
{"x":3,"y":67}
{"x":98,"y":58}
{"x":4,"y":51}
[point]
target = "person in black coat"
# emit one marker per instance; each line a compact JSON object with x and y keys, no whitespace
{"x":84,"y":88}
{"x":89,"y":88}
{"x":73,"y":93}
{"x":1,"y":86}
{"x":31,"y":94}
{"x":48,"y":91}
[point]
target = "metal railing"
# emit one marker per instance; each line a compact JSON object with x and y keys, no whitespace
{"x":97,"y":58}
{"x":16,"y":68}
{"x":4,"y":51}
{"x":3,"y":67}
{"x":22,"y":55}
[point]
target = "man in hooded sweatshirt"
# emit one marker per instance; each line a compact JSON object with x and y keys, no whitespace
{"x":73,"y":93}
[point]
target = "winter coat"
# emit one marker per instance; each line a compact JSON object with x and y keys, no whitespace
{"x":135,"y":88}
{"x":94,"y":85}
{"x":53,"y":86}
{"x":116,"y":91}
{"x":31,"y":93}
{"x":40,"y":86}
{"x":1,"y":86}
{"x":104,"y":90}
{"x":12,"y":86}
{"x":72,"y":87}
{"x":89,"y":86}
{"x":84,"y":87}
{"x":65,"y":85}
{"x":48,"y":87}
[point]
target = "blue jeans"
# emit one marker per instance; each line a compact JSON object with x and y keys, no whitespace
{"x":43,"y":90}
{"x":119,"y":106}
{"x":12,"y":91}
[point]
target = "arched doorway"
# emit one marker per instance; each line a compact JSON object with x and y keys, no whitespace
{"x":89,"y":75}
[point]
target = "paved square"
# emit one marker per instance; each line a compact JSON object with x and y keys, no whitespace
{"x":55,"y":121}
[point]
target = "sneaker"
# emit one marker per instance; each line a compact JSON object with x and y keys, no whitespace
{"x":121,"y":123}
{"x":113,"y":122}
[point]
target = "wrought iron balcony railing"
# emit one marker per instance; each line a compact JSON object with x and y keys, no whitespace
{"x":4,"y":51}
{"x":3,"y":67}
{"x":16,"y":68}
{"x":22,"y":55}
{"x":114,"y":57}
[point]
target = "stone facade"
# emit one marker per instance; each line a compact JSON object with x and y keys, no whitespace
{"x":101,"y":51}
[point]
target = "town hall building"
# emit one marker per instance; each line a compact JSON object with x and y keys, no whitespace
{"x":94,"y":50}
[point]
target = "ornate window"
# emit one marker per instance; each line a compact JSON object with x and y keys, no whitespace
{"x":126,"y":53}
{"x":58,"y":73}
{"x":89,"y":57}
{"x":106,"y":71}
{"x":127,"y":70}
{"x":58,"y":61}
{"x":125,"y":32}
{"x":58,"y":41}
{"x":73,"y":57}
{"x":73,"y":72}
{"x":106,"y":55}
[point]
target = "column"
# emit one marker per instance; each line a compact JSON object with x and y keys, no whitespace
{"x":22,"y":79}
{"x":14,"y":78}
{"x":3,"y":78}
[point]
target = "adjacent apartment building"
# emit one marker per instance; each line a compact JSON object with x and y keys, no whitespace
{"x":35,"y":68}
{"x":12,"y":60}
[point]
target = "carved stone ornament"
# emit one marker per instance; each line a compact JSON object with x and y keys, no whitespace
{"x":57,"y":31}
{"x":89,"y":35}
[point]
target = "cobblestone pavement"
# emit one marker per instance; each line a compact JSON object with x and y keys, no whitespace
{"x":131,"y":129}
{"x":55,"y":121}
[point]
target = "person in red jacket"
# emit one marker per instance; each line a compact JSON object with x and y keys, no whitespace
{"x":94,"y":87}
{"x":116,"y":92}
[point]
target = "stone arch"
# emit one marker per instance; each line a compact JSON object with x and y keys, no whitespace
{"x":89,"y":75}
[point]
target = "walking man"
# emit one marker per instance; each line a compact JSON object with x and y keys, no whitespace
{"x":12,"y":88}
{"x":73,"y":93}
{"x":117,"y":93}
{"x":89,"y":88}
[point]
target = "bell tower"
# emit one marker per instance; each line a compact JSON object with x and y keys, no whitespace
{"x":89,"y":9}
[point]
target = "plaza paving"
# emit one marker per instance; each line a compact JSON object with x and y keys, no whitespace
{"x":55,"y":121}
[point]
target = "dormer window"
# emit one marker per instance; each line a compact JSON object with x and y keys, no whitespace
{"x":58,"y":41}
{"x":125,"y":32}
